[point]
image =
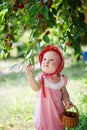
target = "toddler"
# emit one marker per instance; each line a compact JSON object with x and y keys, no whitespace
{"x":52,"y":96}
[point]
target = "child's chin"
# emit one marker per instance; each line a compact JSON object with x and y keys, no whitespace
{"x":45,"y":71}
{"x":48,"y":72}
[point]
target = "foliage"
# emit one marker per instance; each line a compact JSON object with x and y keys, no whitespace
{"x":46,"y":21}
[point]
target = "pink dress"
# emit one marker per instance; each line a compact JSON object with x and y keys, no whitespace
{"x":49,"y":109}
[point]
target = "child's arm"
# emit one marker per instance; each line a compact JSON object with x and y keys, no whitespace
{"x":35,"y":85}
{"x":66,"y":98}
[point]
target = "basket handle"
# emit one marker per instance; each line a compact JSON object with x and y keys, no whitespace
{"x":76,"y":109}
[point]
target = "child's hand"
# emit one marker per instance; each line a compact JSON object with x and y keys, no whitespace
{"x":29,"y":70}
{"x":68,"y":105}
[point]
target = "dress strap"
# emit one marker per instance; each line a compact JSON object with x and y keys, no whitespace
{"x":42,"y":79}
{"x":43,"y":88}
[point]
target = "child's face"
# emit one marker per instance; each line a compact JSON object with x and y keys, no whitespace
{"x":50,"y":62}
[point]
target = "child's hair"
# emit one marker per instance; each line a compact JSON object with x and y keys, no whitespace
{"x":56,"y":49}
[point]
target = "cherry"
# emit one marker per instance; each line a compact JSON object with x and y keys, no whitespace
{"x":26,"y":2}
{"x":10,"y":44}
{"x":50,"y":2}
{"x":15,"y":9}
{"x":6,"y":40}
{"x":68,"y":43}
{"x":41,"y":2}
{"x":21,"y":6}
{"x":47,"y":33}
{"x":40,"y":16}
{"x":8,"y":36}
{"x":18,"y":5}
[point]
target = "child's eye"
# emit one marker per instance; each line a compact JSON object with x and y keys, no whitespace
{"x":52,"y":59}
{"x":44,"y":59}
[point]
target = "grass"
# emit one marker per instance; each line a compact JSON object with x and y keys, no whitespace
{"x":17,"y":100}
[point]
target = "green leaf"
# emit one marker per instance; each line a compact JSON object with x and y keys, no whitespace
{"x":45,"y":11}
{"x":2,"y":14}
{"x":22,"y":1}
{"x":33,"y":9}
{"x":1,"y":6}
{"x":32,"y":59}
{"x":77,"y":3}
{"x":54,"y":11}
{"x":33,"y":27}
{"x":59,"y":6}
{"x":78,"y":34}
{"x":51,"y":22}
{"x":38,"y":47}
{"x":46,"y":38}
{"x":29,"y":54}
{"x":13,"y":67}
{"x":35,"y":34}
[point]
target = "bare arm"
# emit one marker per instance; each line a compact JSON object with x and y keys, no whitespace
{"x":35,"y":85}
{"x":66,"y":98}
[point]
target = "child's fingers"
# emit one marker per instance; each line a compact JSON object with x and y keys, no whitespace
{"x":30,"y":68}
{"x":68,"y":105}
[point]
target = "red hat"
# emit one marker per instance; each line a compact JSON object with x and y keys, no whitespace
{"x":52,"y":48}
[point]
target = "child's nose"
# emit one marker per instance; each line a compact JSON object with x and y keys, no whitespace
{"x":47,"y":61}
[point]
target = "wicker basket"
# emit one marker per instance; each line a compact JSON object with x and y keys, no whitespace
{"x":70,"y":119}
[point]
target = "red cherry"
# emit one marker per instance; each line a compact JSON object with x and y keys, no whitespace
{"x":8,"y":36}
{"x":15,"y":9}
{"x":68,"y":43}
{"x":21,"y":6}
{"x":40,"y":16}
{"x":26,"y":2}
{"x":50,"y":2}
{"x":47,"y":33}
{"x":10,"y":44}
{"x":41,"y":2}
{"x":16,"y":4}
{"x":6,"y":40}
{"x":17,"y":1}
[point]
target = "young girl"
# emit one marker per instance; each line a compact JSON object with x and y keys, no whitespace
{"x":52,"y":96}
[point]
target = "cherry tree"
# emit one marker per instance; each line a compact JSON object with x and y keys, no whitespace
{"x":46,"y":22}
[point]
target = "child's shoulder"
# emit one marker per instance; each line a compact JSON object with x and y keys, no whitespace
{"x":64,"y":78}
